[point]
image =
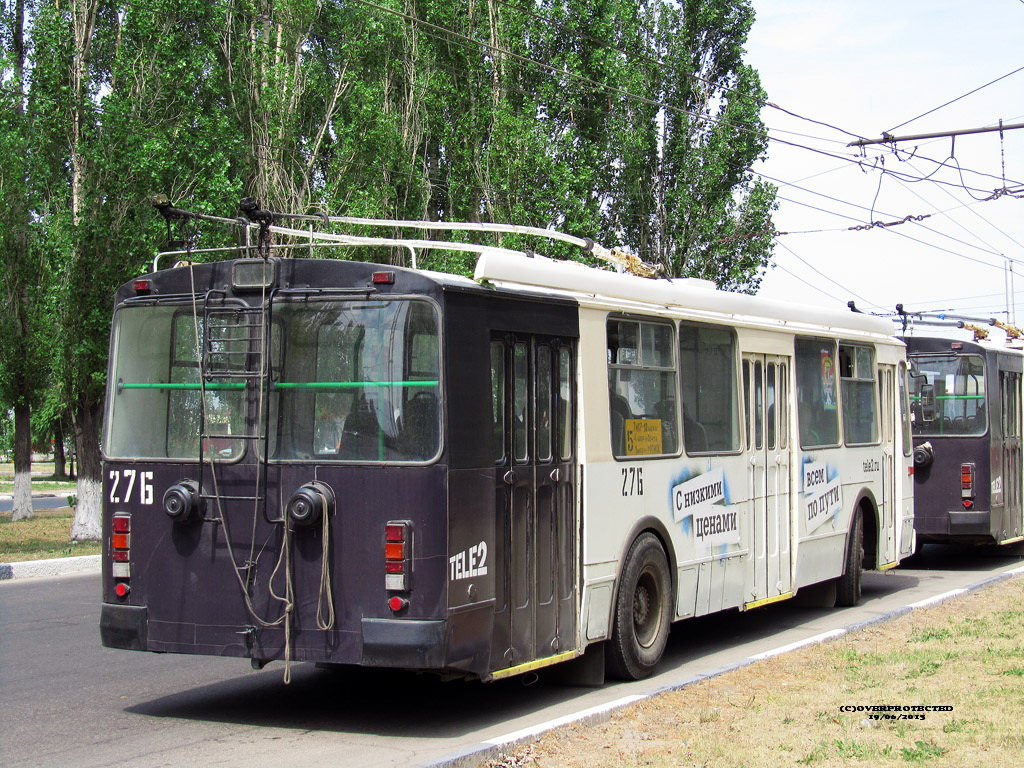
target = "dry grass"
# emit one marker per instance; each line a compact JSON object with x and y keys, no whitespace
{"x":45,"y":535}
{"x":967,"y":653}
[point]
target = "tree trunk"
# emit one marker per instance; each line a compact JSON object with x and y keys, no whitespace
{"x":87,"y":525}
{"x":60,"y":465}
{"x":22,"y":462}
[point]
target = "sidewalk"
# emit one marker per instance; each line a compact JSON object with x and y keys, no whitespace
{"x":57,"y":566}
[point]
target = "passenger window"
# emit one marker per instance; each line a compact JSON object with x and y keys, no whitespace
{"x":641,"y":388}
{"x":707,"y":373}
{"x":817,"y":395}
{"x":860,"y":412}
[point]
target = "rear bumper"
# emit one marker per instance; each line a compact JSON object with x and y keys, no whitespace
{"x":460,"y":642}
{"x":404,"y":643}
{"x":124,"y":626}
{"x":973,"y":525}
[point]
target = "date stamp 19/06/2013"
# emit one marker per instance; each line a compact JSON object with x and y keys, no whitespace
{"x":895,"y":711}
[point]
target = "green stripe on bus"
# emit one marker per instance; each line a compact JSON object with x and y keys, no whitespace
{"x":321,"y":385}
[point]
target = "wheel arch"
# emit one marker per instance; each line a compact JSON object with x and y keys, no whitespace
{"x":654,"y":525}
{"x":867,"y":507}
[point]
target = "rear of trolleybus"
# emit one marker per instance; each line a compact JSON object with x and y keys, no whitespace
{"x":284,"y":479}
{"x":966,"y":404}
{"x":275,"y":484}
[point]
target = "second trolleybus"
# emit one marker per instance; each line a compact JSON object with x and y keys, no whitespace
{"x":967,"y":425}
{"x":334,"y":461}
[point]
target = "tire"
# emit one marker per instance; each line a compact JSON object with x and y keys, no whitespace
{"x":643,"y":611}
{"x":848,"y":585}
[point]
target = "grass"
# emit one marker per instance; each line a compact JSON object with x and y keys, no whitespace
{"x":42,"y":479}
{"x":788,"y":710}
{"x":47,"y":534}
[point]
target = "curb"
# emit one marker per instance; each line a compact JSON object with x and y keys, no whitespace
{"x":475,"y":755}
{"x":58,"y":566}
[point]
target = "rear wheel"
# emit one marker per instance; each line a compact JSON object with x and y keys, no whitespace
{"x":848,"y":585}
{"x":643,"y":611}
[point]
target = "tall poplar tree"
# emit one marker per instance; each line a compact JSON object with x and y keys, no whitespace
{"x":631,"y":122}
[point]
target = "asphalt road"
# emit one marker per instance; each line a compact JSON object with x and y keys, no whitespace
{"x":38,"y":502}
{"x":69,"y":702}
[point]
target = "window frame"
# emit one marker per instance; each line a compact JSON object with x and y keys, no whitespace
{"x":672,"y":390}
{"x":798,"y":363}
{"x":846,"y":395}
{"x":738,"y":418}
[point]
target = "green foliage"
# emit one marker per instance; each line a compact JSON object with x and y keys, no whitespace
{"x":633,"y":123}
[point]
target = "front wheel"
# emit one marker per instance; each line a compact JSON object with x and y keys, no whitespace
{"x":643,"y":611}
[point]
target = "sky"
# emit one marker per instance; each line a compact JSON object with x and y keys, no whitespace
{"x":849,"y":70}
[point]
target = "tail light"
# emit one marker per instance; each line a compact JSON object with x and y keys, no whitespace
{"x":967,"y":485}
{"x":397,"y":557}
{"x":120,"y":551}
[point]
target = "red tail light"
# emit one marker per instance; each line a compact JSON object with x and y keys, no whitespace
{"x":966,"y":480}
{"x":967,"y":485}
{"x":120,"y":551}
{"x":397,"y":556}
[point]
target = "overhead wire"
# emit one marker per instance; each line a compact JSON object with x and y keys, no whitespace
{"x":958,"y":98}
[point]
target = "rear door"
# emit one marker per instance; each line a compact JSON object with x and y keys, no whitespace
{"x":1013,"y":508}
{"x":534,"y":394}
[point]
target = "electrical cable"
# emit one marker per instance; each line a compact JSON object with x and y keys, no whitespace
{"x":953,"y":101}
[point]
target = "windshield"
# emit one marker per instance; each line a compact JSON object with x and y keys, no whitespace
{"x":349,"y":380}
{"x":947,"y":395}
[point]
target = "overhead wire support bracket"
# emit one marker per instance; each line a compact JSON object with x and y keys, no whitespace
{"x":888,"y":138}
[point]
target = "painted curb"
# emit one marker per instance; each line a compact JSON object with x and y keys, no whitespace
{"x":475,"y":755}
{"x":58,"y":566}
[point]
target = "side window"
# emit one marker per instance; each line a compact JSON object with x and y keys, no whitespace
{"x":1010,"y":386}
{"x":817,"y":395}
{"x":860,"y":411}
{"x":499,"y":400}
{"x":565,"y":403}
{"x":543,"y":405}
{"x":908,"y":443}
{"x":641,"y":388}
{"x":520,"y":403}
{"x":707,"y":373}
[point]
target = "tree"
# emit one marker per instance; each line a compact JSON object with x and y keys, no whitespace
{"x":20,"y":364}
{"x":635,"y":122}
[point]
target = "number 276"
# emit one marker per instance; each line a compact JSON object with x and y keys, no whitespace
{"x":632,"y":481}
{"x":132,"y":478}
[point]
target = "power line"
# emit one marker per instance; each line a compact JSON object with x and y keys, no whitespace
{"x":818,"y":271}
{"x":958,"y":98}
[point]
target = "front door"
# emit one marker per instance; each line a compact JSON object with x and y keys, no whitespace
{"x":766,"y":400}
{"x":534,"y":395}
